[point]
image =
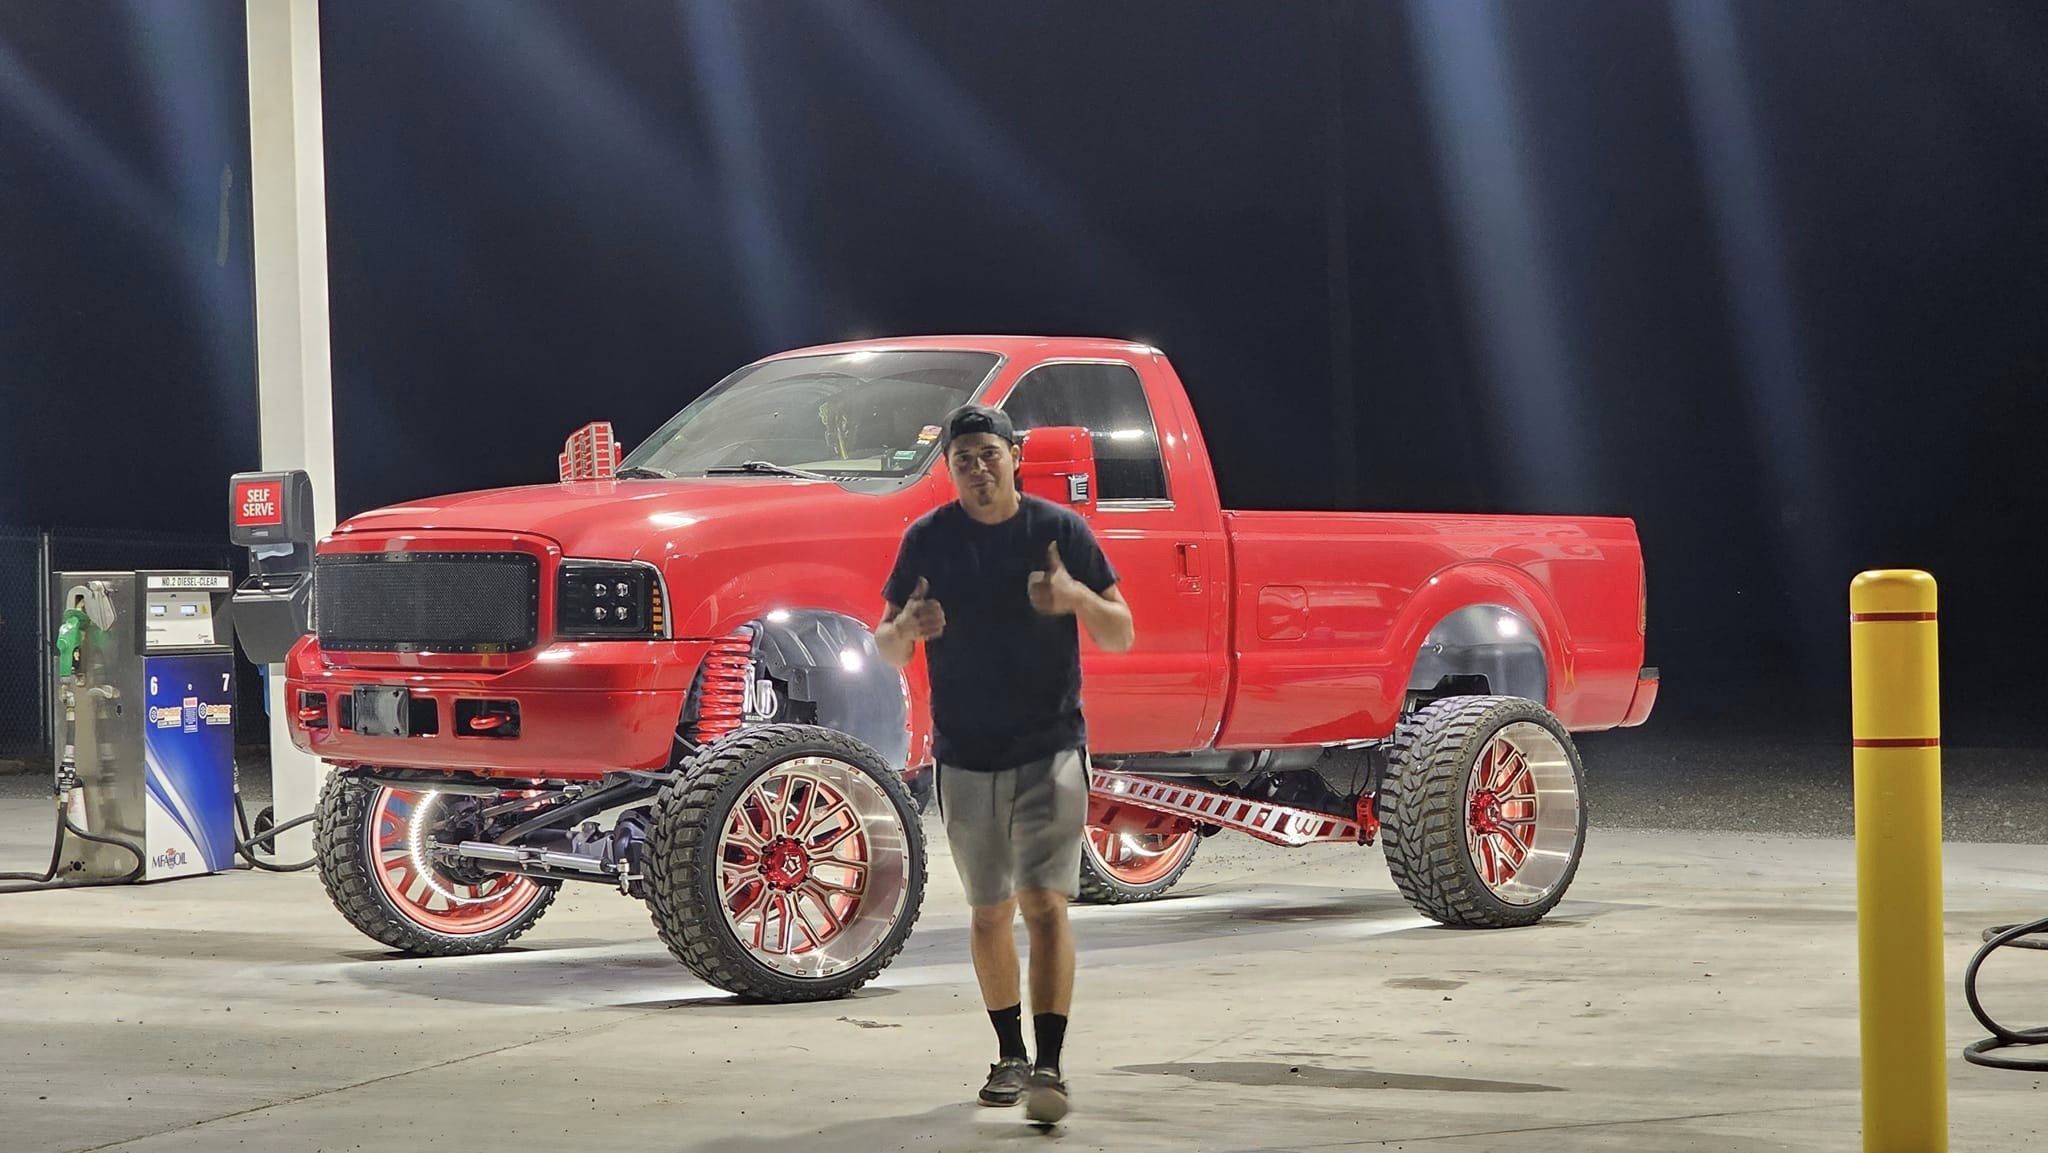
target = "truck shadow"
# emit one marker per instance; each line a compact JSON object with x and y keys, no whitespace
{"x":1265,"y":1074}
{"x":642,"y":975}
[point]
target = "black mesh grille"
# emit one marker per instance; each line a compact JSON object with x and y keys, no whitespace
{"x":440,"y":601}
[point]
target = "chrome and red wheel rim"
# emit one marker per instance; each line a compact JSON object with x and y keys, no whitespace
{"x":813,"y":867}
{"x":1138,"y":859}
{"x":1522,"y":814}
{"x":401,"y":860}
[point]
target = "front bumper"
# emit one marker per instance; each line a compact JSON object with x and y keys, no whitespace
{"x":584,"y":709}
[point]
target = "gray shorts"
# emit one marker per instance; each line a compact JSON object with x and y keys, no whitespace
{"x":1016,"y":829}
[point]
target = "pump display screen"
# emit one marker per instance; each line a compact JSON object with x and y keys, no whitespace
{"x":177,"y":618}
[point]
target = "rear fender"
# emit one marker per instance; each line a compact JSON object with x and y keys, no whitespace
{"x":1486,"y":619}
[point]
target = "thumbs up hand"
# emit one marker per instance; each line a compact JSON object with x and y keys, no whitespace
{"x":926,"y":616}
{"x":1054,"y":591}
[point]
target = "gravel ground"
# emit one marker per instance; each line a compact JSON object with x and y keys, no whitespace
{"x":1641,"y":780}
{"x":1644,"y":780}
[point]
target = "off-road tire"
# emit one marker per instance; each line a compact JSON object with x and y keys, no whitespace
{"x":1424,"y":804}
{"x":1100,"y":886}
{"x":682,"y":860}
{"x":341,"y":848}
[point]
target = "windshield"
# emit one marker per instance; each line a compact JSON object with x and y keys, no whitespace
{"x":848,"y":414}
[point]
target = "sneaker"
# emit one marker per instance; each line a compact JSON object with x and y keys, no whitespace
{"x":1046,"y":1101}
{"x":1005,"y":1084}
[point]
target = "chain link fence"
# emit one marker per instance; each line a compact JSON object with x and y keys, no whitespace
{"x":24,"y":711}
{"x":27,"y":558}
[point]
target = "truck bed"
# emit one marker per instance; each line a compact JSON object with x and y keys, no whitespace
{"x":1332,"y":609}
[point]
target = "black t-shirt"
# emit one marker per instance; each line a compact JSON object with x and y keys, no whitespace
{"x":1006,"y":680}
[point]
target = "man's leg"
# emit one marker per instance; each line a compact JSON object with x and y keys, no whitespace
{"x":1052,"y":951}
{"x":994,"y":947}
{"x":1051,"y":811}
{"x":977,"y":831}
{"x":1052,"y":994}
{"x":1050,"y":815}
{"x":1052,"y":971}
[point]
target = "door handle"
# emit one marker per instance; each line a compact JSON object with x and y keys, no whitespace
{"x":1190,"y":559}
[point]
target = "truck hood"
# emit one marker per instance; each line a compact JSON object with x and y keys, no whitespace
{"x":618,"y":519}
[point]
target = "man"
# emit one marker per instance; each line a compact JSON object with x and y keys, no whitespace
{"x":994,"y":585}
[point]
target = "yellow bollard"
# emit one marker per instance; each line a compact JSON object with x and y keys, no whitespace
{"x":1896,"y":698}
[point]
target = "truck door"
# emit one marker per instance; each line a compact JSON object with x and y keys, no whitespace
{"x":1167,"y":553}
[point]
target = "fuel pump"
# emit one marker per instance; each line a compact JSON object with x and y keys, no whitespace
{"x":144,"y":773}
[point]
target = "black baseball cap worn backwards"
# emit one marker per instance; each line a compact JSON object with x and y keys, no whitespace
{"x":969,"y":419}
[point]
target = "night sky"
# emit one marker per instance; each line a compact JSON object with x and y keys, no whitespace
{"x":1770,"y":278}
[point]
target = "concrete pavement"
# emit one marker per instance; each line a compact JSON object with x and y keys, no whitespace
{"x":1696,"y":991}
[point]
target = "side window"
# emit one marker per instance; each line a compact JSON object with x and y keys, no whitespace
{"x":1109,"y":401}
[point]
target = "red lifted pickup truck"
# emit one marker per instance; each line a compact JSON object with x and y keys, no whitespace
{"x":686,"y":650}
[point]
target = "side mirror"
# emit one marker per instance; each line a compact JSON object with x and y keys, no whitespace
{"x":1059,"y":465}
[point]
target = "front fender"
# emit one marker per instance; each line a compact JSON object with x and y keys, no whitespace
{"x":806,"y":617}
{"x":828,"y":662}
{"x":754,"y":591}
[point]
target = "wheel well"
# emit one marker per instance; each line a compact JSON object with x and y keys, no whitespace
{"x":823,"y":668}
{"x":1449,"y":685}
{"x":1480,"y":650}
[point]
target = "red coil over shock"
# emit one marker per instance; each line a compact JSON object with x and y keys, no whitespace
{"x":722,"y":687}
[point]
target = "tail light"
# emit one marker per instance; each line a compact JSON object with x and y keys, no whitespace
{"x":1642,"y":600}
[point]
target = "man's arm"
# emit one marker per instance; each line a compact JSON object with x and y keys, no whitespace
{"x":919,"y":619}
{"x":1057,"y":592}
{"x":897,"y":646}
{"x":1107,"y":618}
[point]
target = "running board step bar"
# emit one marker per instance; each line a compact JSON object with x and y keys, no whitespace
{"x":1269,"y":821}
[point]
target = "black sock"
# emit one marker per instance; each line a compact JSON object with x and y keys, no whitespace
{"x":1009,"y":1025}
{"x":1052,"y":1033}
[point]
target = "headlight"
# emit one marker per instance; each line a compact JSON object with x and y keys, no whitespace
{"x":601,"y":598}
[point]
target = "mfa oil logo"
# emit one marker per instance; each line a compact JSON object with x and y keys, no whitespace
{"x":183,"y":716}
{"x":176,"y":716}
{"x":170,"y":859}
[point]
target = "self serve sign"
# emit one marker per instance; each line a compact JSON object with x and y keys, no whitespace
{"x":256,"y":502}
